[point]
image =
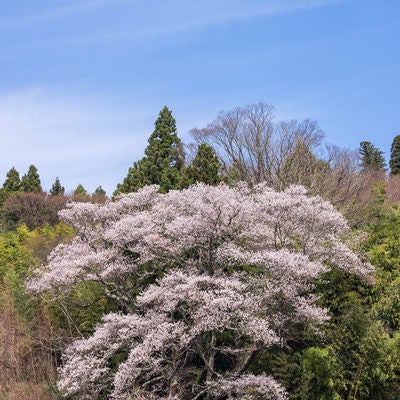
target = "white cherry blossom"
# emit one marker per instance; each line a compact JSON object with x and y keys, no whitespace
{"x":236,"y":268}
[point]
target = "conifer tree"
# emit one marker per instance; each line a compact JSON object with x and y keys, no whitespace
{"x":30,"y":182}
{"x":371,"y":156}
{"x":80,"y":190}
{"x":394,"y":162}
{"x":204,"y":167}
{"x":99,"y":191}
{"x":133,"y":181}
{"x":163,"y":161}
{"x":57,"y":189}
{"x":13,"y":181}
{"x":164,"y":155}
{"x":99,"y":196}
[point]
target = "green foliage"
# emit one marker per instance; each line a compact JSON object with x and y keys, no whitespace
{"x":20,"y":251}
{"x":27,"y":354}
{"x":375,"y":344}
{"x":13,"y":181}
{"x":13,"y":256}
{"x":164,"y":158}
{"x":30,"y":182}
{"x":354,"y":357}
{"x":301,"y":167}
{"x":11,"y":185}
{"x":163,"y":161}
{"x":79,"y":312}
{"x":321,"y":373}
{"x":359,"y":360}
{"x":23,"y":303}
{"x":99,"y":191}
{"x":15,"y":263}
{"x":371,"y":156}
{"x":75,"y":315}
{"x":42,"y":240}
{"x":56,"y":188}
{"x":204,"y":167}
{"x":383,"y":247}
{"x":394,"y":161}
{"x":358,"y":341}
{"x":133,"y":181}
{"x":99,"y":196}
{"x":80,"y":190}
{"x":42,"y":328}
{"x":387,"y":307}
{"x":361,"y":363}
{"x":377,"y":374}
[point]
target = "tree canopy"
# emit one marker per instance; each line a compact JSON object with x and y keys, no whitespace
{"x":80,"y":190}
{"x":204,"y":279}
{"x":204,"y":168}
{"x":30,"y":182}
{"x":163,"y":161}
{"x":371,"y":156}
{"x":56,"y":188}
{"x":13,"y":181}
{"x":394,"y":162}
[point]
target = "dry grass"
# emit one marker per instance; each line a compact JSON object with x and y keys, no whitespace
{"x":24,"y":365}
{"x":23,"y":391}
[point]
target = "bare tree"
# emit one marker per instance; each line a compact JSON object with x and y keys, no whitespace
{"x":293,"y":161}
{"x":190,"y":151}
{"x":226,"y":134}
{"x":341,"y":181}
{"x":253,"y":147}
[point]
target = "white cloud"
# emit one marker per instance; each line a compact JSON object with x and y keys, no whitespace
{"x":45,"y":14}
{"x":79,"y":138}
{"x":140,"y":20}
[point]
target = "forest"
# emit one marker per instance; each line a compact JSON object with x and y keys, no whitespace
{"x":257,"y":262}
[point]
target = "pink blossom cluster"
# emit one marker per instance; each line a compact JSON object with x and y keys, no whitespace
{"x":237,"y":267}
{"x":248,"y":387}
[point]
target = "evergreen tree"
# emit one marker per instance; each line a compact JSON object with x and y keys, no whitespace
{"x":301,"y":167}
{"x":80,"y":190}
{"x":163,"y":161}
{"x":13,"y":181}
{"x":371,"y":156}
{"x":99,"y":191}
{"x":204,"y":168}
{"x":133,"y":181}
{"x":394,"y":162}
{"x":57,"y":189}
{"x":30,"y":182}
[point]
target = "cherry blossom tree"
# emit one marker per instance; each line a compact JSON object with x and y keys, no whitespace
{"x":205,"y":279}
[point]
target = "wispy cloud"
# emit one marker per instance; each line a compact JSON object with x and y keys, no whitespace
{"x":75,"y":137}
{"x":146,"y":20}
{"x":64,"y":9}
{"x":189,"y":16}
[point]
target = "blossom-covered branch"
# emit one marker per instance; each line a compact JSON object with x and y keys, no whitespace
{"x":207,"y":277}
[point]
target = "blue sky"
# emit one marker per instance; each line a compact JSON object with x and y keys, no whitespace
{"x":82,"y":81}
